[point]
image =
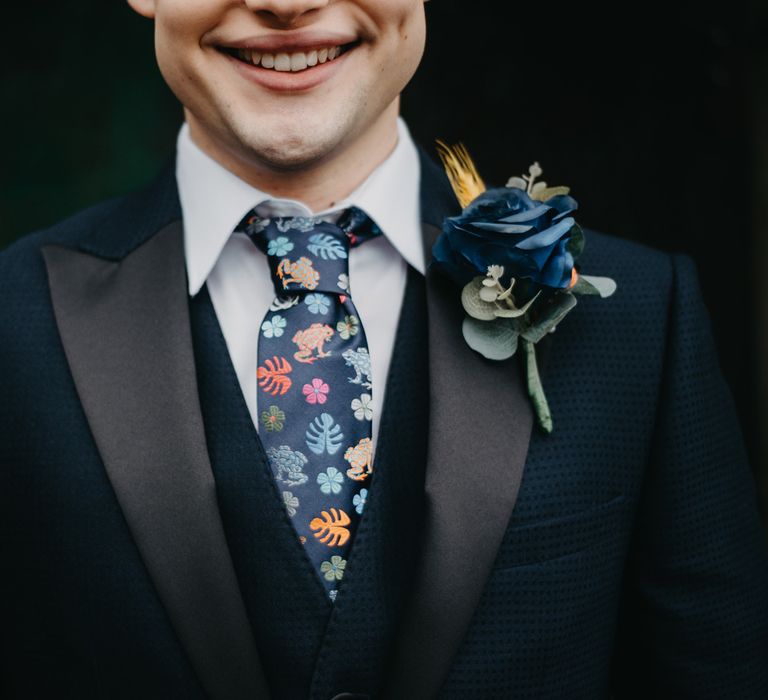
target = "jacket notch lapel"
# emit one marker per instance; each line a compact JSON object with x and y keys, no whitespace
{"x":124,"y":325}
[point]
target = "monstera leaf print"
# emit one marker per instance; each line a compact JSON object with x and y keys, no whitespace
{"x":331,"y":528}
{"x":273,"y":376}
{"x":324,"y":435}
{"x":327,"y":247}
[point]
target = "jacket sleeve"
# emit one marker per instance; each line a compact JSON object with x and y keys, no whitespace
{"x":693,"y":621}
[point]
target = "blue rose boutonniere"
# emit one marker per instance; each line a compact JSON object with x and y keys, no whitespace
{"x":514,"y":250}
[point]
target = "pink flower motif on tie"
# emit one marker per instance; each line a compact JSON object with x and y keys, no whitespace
{"x":316,"y":392}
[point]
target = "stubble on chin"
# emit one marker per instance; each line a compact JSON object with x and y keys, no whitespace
{"x":285,"y":152}
{"x":291,"y":143}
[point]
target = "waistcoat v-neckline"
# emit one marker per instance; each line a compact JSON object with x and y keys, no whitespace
{"x":303,"y":641}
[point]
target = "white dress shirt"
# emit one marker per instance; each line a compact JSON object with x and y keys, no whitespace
{"x":213,"y":201}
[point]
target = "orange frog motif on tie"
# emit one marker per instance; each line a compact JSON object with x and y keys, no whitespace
{"x":359,"y":458}
{"x":310,"y":340}
{"x":300,"y":272}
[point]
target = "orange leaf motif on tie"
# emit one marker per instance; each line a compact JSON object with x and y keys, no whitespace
{"x":273,"y":376}
{"x":331,"y":528}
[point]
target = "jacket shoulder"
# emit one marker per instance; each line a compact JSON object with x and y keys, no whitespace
{"x":609,"y":255}
{"x":22,"y":269}
{"x":69,"y":232}
{"x":647,"y":278}
{"x":115,"y":224}
{"x":110,"y":229}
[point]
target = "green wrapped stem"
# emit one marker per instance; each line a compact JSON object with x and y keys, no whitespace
{"x":535,"y":389}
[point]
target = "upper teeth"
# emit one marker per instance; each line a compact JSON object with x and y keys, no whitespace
{"x":289,"y":62}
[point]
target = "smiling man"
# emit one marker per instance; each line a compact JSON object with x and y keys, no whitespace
{"x":246,"y":452}
{"x":299,"y":99}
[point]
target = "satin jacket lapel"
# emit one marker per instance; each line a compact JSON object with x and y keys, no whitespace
{"x":479,"y":431}
{"x":125,"y":329}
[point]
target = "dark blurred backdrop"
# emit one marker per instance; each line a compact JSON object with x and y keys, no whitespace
{"x":655,"y":114}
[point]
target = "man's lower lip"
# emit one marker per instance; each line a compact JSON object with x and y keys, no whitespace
{"x":280,"y":81}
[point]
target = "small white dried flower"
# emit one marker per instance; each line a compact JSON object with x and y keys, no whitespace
{"x":495,"y":271}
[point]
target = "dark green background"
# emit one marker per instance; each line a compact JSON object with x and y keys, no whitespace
{"x":655,"y":115}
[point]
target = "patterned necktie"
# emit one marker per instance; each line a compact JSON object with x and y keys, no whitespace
{"x":315,"y":384}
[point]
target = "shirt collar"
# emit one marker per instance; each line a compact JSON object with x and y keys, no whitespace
{"x":214,"y":200}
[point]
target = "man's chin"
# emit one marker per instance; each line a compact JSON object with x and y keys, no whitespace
{"x":299,"y":157}
{"x":283,"y":152}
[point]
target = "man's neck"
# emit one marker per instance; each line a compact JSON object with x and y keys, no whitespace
{"x":321,"y":185}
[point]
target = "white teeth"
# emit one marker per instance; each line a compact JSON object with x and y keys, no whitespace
{"x":298,"y":62}
{"x":282,"y":63}
{"x":295,"y":62}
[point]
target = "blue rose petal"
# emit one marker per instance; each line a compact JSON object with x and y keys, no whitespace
{"x":563,"y":203}
{"x":542,"y":256}
{"x":507,"y":227}
{"x":502,"y":228}
{"x":552,"y":274}
{"x":529,"y":215}
{"x":548,"y":237}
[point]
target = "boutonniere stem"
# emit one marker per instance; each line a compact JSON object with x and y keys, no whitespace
{"x":535,"y":388}
{"x":514,"y":251}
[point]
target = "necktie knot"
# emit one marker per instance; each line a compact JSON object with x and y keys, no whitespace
{"x":309,"y":254}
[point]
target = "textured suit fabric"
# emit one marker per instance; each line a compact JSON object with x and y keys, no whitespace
{"x":302,"y":644}
{"x":634,"y":544}
{"x":80,"y":615}
{"x":633,"y":564}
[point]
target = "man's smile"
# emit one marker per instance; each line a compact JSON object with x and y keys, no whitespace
{"x":290,"y":52}
{"x":285,"y":62}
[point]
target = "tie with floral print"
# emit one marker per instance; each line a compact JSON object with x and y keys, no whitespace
{"x":314,"y":378}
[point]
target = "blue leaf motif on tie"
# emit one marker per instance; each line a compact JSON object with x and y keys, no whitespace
{"x":324,"y":435}
{"x":327,"y":247}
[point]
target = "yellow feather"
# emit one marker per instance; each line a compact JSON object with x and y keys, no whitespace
{"x":462,"y":172}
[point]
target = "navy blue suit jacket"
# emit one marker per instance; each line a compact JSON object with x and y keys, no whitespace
{"x":620,"y":556}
